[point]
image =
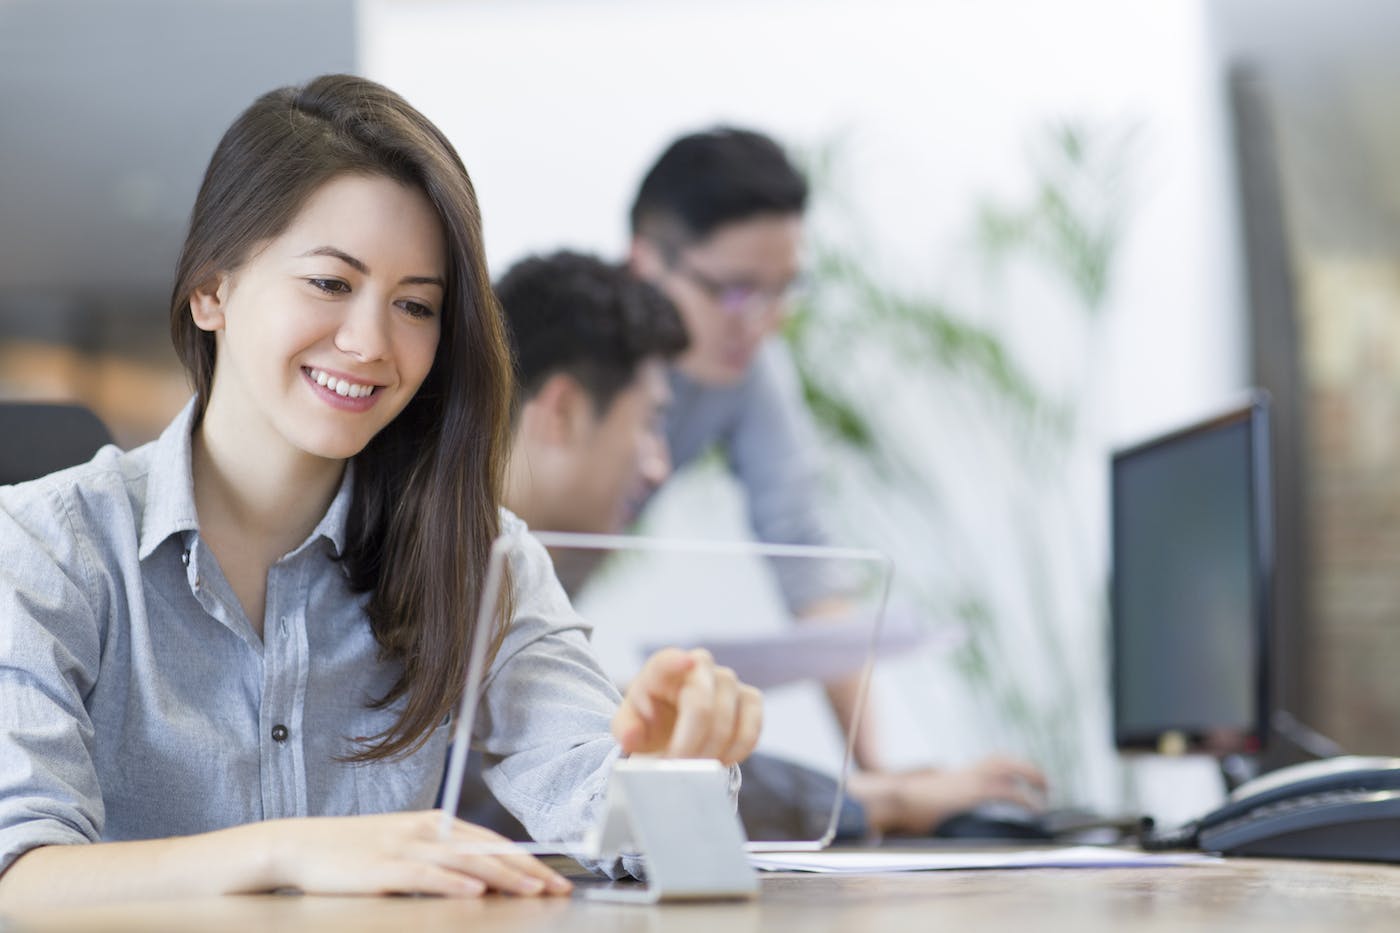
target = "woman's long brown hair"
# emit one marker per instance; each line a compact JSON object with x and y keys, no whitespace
{"x":428,"y":486}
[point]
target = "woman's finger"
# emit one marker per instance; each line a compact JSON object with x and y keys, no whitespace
{"x":664,"y":674}
{"x":695,"y":710}
{"x":483,"y":842}
{"x":642,"y":704}
{"x":726,"y":714}
{"x":425,"y":877}
{"x":469,"y":839}
{"x":490,"y":869}
{"x":748,"y":724}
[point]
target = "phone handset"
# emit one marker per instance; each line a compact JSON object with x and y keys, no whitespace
{"x":1357,"y":772}
{"x":1264,"y":794}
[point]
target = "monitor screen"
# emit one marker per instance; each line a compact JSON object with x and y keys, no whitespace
{"x":1192,"y":564}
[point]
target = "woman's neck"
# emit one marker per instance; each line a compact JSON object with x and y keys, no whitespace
{"x":259,"y":490}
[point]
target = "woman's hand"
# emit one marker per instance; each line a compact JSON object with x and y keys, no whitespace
{"x":683,"y":705}
{"x":402,"y":853}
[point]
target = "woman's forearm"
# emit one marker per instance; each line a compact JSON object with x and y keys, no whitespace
{"x":386,"y":853}
{"x":228,"y":861}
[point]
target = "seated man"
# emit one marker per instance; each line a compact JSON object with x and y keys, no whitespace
{"x":591,"y":345}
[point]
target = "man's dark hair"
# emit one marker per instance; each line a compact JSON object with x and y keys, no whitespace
{"x":706,"y":180}
{"x":575,"y":314}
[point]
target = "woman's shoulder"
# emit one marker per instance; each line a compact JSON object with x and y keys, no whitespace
{"x":121,"y":503}
{"x":540,"y":609}
{"x":107,"y":474}
{"x":511,"y":524}
{"x":532,"y":573}
{"x":95,"y":501}
{"x":526,"y":556}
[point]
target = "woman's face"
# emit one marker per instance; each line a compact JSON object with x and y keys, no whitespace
{"x":325,"y":333}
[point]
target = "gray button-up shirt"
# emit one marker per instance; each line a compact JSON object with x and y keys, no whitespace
{"x":136,"y":700}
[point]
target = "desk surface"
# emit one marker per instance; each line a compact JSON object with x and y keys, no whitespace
{"x":1242,"y":894}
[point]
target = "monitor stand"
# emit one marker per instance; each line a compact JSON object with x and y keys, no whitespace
{"x":1174,"y":789}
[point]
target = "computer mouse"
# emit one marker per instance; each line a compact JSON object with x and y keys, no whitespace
{"x":995,"y":820}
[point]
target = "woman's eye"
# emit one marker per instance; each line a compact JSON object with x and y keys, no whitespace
{"x":416,"y":309}
{"x":334,"y":286}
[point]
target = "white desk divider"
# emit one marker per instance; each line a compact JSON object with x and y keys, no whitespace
{"x":676,"y":814}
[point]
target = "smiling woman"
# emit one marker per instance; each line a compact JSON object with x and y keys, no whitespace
{"x":299,"y":327}
{"x":318,"y":353}
{"x":317,"y":204}
{"x":228,"y":656}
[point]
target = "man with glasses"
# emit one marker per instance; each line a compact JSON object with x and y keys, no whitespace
{"x":717,"y":227}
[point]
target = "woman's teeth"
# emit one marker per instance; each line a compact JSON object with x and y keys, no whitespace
{"x":340,"y":386}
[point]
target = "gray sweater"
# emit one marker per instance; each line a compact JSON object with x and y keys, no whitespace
{"x":762,"y":427}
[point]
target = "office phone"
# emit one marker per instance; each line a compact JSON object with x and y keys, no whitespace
{"x":1346,"y":807}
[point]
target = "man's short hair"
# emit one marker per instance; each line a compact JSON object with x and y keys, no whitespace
{"x":575,"y":314}
{"x":706,"y":180}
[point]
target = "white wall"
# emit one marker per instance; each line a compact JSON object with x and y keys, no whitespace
{"x":557,"y":107}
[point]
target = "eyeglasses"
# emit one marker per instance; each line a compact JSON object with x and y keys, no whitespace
{"x":742,"y":299}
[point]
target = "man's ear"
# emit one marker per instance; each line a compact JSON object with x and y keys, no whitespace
{"x":562,"y":410}
{"x":207,"y":302}
{"x":645,"y":260}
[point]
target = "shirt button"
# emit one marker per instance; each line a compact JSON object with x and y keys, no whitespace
{"x":185,"y":557}
{"x":279,"y":733}
{"x":282,"y":626}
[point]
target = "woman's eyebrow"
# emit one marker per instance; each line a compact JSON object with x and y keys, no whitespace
{"x":363,"y":269}
{"x":340,"y":254}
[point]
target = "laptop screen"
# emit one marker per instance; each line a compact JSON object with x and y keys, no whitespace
{"x":640,"y":594}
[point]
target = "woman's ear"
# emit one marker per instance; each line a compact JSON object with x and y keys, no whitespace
{"x":207,"y":303}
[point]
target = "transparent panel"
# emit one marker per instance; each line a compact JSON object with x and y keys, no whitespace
{"x":643,"y":594}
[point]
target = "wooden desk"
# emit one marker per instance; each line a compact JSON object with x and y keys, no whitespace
{"x":1244,"y":894}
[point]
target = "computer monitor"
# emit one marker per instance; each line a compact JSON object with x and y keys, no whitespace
{"x":1192,"y":559}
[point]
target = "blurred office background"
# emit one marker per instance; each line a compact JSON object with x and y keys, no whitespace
{"x":1237,"y":162}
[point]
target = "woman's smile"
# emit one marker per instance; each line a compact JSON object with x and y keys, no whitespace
{"x":340,"y":391}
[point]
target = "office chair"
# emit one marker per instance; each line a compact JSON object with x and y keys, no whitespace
{"x":37,"y":438}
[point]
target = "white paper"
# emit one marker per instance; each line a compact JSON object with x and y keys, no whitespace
{"x":903,"y":860}
{"x":818,"y":649}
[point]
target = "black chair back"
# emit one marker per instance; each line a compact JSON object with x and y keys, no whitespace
{"x":37,"y":438}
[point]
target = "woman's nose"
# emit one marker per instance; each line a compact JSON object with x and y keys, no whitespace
{"x":363,"y":332}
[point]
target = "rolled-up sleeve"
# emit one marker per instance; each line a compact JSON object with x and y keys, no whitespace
{"x":543,"y":724}
{"x":50,"y":646}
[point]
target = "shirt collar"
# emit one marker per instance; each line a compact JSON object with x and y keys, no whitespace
{"x":169,"y":485}
{"x":332,"y":524}
{"x":169,"y":507}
